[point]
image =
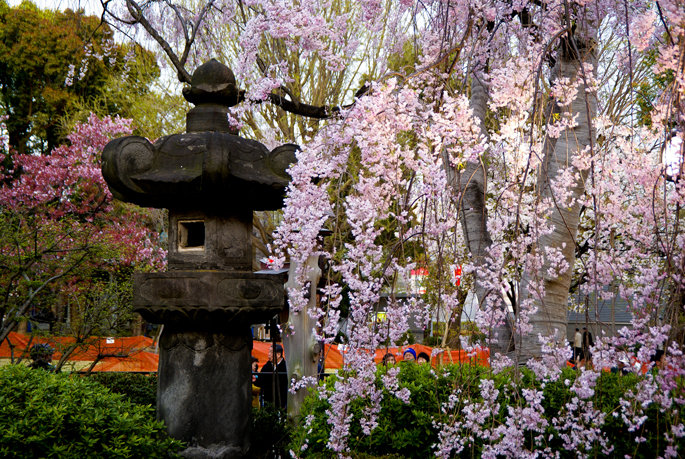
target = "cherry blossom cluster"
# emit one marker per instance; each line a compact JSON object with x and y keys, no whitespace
{"x":555,"y":137}
{"x":62,"y":204}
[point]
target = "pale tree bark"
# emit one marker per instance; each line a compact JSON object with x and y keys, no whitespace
{"x":470,"y":185}
{"x":552,"y":307}
{"x":301,"y":348}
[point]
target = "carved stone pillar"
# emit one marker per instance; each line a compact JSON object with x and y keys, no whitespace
{"x":211,"y":181}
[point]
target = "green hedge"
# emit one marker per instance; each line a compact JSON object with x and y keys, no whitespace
{"x":136,"y":388}
{"x":408,"y":430}
{"x":270,"y":431}
{"x":45,"y":415}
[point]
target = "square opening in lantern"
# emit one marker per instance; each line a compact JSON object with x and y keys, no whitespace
{"x":191,"y":235}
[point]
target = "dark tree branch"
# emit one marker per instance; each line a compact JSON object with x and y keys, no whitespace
{"x":26,"y":351}
{"x":182,"y":20}
{"x":10,"y":323}
{"x":105,"y":11}
{"x":137,"y":13}
{"x":196,"y":27}
{"x":663,"y":21}
{"x":310,"y":111}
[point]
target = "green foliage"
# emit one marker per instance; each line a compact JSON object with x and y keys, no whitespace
{"x":608,"y":392}
{"x":136,"y":388}
{"x":270,"y":432}
{"x":404,"y":429}
{"x":155,"y":106}
{"x":37,"y":48}
{"x":432,"y":341}
{"x":407,"y":430}
{"x":648,"y":89}
{"x":60,"y":416}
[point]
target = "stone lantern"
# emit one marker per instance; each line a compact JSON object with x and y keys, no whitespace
{"x":211,"y":180}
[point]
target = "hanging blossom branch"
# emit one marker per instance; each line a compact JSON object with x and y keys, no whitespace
{"x":383,"y":154}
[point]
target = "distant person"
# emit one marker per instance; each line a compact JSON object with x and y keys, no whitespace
{"x":588,"y":342}
{"x":423,"y":358}
{"x":659,"y":359}
{"x":577,"y":345}
{"x":388,"y":359}
{"x":255,"y":389}
{"x":623,"y":365}
{"x":274,"y":393}
{"x":409,"y":355}
{"x":41,"y":354}
{"x":255,"y":366}
{"x":321,"y":364}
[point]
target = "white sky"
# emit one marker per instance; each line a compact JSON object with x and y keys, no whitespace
{"x":672,"y":155}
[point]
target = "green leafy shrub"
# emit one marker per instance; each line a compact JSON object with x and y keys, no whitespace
{"x":403,"y":429}
{"x":270,"y":432}
{"x":136,"y":388}
{"x":408,"y":430}
{"x":61,"y":416}
{"x":608,"y":392}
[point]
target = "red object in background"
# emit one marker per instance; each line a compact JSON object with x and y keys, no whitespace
{"x":417,"y":286}
{"x":456,"y":275}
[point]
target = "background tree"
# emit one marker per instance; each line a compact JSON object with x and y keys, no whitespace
{"x":153,"y":103}
{"x":99,"y":305}
{"x":40,"y":51}
{"x":61,"y":229}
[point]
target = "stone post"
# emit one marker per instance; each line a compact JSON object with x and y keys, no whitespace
{"x":301,"y":349}
{"x":211,"y":180}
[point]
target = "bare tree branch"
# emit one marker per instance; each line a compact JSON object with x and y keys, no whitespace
{"x":10,"y":323}
{"x":137,"y":13}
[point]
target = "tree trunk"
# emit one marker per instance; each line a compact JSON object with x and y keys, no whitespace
{"x":451,"y":338}
{"x":92,"y":365}
{"x":551,"y":315}
{"x":471,"y":186}
{"x":65,"y":355}
{"x":17,"y":138}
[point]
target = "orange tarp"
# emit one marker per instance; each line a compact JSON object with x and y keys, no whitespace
{"x":482,"y":356}
{"x":260,"y":349}
{"x":335,"y":358}
{"x":131,"y":353}
{"x":142,"y":361}
{"x":120,"y":354}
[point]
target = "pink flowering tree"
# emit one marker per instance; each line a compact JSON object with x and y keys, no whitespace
{"x":510,"y":135}
{"x":63,"y":234}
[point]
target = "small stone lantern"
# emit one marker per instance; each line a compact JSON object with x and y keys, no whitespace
{"x":211,"y":180}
